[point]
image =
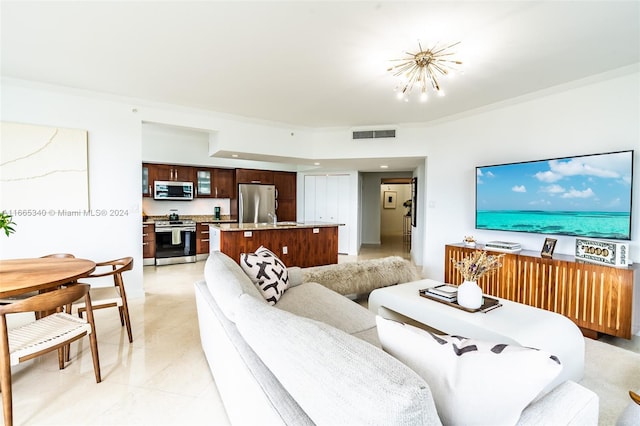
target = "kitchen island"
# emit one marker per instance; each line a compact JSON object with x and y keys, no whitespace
{"x":296,"y":244}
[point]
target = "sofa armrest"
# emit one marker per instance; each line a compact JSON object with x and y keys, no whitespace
{"x":568,"y":404}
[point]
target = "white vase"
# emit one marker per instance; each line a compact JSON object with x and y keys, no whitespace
{"x":469,"y":295}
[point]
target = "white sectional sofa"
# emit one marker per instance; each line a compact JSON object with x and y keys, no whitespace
{"x":315,"y":358}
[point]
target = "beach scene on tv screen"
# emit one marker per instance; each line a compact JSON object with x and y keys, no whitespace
{"x":586,"y":196}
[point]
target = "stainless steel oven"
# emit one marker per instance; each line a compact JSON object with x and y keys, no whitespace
{"x":175,"y":241}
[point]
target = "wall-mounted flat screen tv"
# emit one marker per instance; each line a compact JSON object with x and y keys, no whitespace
{"x":586,"y":196}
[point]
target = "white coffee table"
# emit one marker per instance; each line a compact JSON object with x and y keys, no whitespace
{"x":512,"y":323}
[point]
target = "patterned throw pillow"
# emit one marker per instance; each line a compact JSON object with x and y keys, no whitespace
{"x":473,"y":382}
{"x":267,"y":272}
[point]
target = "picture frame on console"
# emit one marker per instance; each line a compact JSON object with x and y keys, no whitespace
{"x":548,"y":247}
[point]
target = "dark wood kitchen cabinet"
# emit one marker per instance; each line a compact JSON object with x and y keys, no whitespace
{"x":147,"y":180}
{"x":202,"y":238}
{"x":153,"y":172}
{"x":286,"y":184}
{"x":306,"y":246}
{"x":204,"y":182}
{"x":173,"y":173}
{"x":254,"y":176}
{"x":224,"y":183}
{"x":214,"y":183}
{"x":148,"y":240}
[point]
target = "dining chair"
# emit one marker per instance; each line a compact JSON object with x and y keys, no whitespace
{"x":109,"y":297}
{"x":43,"y":335}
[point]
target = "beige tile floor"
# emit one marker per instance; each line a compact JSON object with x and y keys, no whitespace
{"x":161,"y":378}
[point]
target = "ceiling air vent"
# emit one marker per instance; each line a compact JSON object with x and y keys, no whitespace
{"x":374,"y":134}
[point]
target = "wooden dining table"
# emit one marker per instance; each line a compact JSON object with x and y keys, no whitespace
{"x":19,"y":276}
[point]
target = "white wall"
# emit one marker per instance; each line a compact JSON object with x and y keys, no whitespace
{"x":162,"y":143}
{"x":599,"y":117}
{"x":114,"y":180}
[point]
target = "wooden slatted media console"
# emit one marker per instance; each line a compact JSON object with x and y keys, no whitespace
{"x":599,"y":299}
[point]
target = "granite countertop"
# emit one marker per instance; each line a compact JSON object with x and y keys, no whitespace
{"x":267,"y":226}
{"x":197,"y":218}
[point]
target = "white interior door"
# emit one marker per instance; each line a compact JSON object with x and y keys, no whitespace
{"x":310,"y":199}
{"x":327,"y":199}
{"x":321,"y":199}
{"x":331,"y":198}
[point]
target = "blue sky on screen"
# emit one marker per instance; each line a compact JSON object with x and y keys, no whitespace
{"x":587,"y":183}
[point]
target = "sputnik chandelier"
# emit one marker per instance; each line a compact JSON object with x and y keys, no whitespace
{"x":423,"y":69}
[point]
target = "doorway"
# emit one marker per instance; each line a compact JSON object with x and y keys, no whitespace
{"x":395,"y":216}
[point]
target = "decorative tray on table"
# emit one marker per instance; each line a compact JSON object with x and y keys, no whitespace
{"x":488,"y":303}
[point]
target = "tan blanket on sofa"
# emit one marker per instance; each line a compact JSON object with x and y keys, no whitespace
{"x":363,"y":276}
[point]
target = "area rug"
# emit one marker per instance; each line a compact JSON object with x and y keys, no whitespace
{"x":611,"y":372}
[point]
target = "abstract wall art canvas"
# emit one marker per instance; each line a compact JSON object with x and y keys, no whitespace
{"x":43,"y":167}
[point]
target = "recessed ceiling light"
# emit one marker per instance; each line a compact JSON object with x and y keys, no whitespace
{"x":234,"y":155}
{"x":384,"y":166}
{"x":316,"y":164}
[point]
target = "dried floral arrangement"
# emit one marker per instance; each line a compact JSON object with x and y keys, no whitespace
{"x":477,"y":265}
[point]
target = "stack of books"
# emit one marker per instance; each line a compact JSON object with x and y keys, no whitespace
{"x":446,"y":292}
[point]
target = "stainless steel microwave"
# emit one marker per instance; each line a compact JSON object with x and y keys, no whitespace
{"x":170,"y":190}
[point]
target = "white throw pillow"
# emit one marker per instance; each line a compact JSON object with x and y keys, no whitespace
{"x":267,"y":272}
{"x":473,"y":382}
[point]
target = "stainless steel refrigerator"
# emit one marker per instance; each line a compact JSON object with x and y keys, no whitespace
{"x":256,"y":203}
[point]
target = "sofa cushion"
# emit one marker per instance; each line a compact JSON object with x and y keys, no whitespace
{"x":226,"y":282}
{"x":295,"y":275}
{"x":336,"y":378}
{"x":567,"y":404}
{"x":473,"y":381}
{"x":267,"y":272}
{"x":314,"y":301}
{"x":215,"y":330}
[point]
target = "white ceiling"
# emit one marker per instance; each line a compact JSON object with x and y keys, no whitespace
{"x":316,"y":64}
